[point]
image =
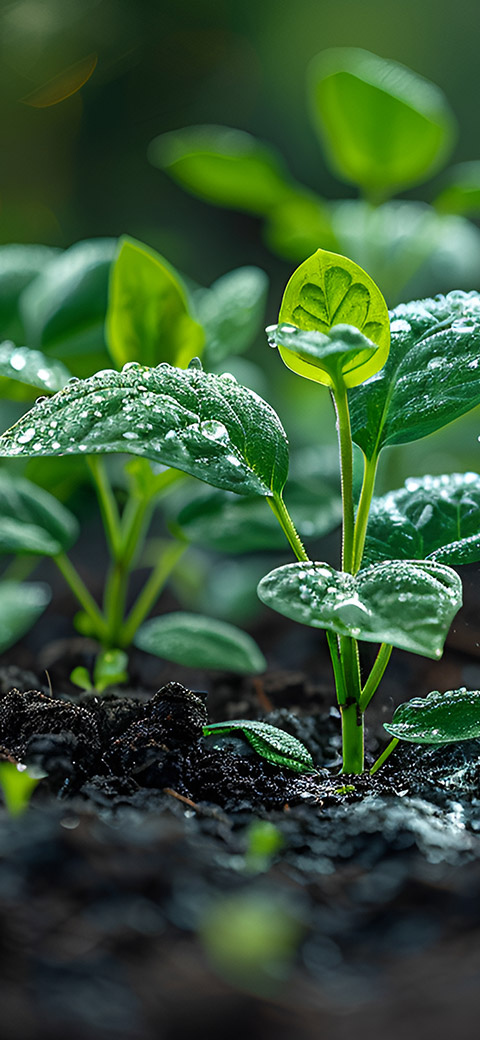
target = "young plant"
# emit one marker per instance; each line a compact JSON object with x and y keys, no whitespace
{"x":393,"y":379}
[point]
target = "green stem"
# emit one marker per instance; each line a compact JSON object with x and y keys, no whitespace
{"x":114,"y":600}
{"x":360,"y":530}
{"x":376,"y":675}
{"x":339,"y":394}
{"x":81,"y":592}
{"x":135,"y":520}
{"x":338,"y":675}
{"x":280,"y":510}
{"x":151,"y":591}
{"x":352,"y":738}
{"x":106,"y":499}
{"x":385,"y":754}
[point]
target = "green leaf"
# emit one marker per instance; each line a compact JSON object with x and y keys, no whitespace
{"x":64,"y":308}
{"x":200,"y":642}
{"x":21,"y":604}
{"x":232,"y":312}
{"x":430,"y":518}
{"x":270,"y":742}
{"x":461,"y":193}
{"x":383,"y":127}
{"x":431,"y":376}
{"x":110,"y":669}
{"x":221,"y":165}
{"x":148,"y":318}
{"x":23,"y":372}
{"x":406,"y":604}
{"x":32,"y":520}
{"x":204,"y":424}
{"x":299,"y":224}
{"x":438,"y":718}
{"x":326,"y":294}
{"x":80,"y":677}
{"x":17,"y":787}
{"x":19,"y":265}
{"x":227,"y":524}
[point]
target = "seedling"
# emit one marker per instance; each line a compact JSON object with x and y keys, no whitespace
{"x":393,"y":379}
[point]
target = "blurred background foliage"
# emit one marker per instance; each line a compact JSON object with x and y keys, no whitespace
{"x":76,"y":163}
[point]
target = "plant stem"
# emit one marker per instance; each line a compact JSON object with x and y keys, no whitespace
{"x":280,"y":510}
{"x":376,"y":675}
{"x":360,"y":530}
{"x":340,"y":401}
{"x":106,"y":499}
{"x":81,"y":592}
{"x":388,"y":750}
{"x":338,"y":675}
{"x":151,"y":591}
{"x":352,"y":738}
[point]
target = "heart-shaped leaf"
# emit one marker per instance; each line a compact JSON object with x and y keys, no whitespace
{"x":21,"y":604}
{"x":225,"y":166}
{"x":325,"y":294}
{"x":204,"y":424}
{"x":200,"y":642}
{"x":23,"y":372}
{"x":438,"y":718}
{"x":31,"y":520}
{"x":406,"y":604}
{"x":431,"y":376}
{"x":383,"y":126}
{"x":431,"y":518}
{"x":270,"y":742}
{"x":231,"y":312}
{"x":64,"y":309}
{"x":148,"y":318}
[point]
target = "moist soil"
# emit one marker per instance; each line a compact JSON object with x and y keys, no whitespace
{"x":162,"y":884}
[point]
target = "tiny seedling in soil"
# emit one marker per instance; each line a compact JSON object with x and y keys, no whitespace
{"x":393,"y":379}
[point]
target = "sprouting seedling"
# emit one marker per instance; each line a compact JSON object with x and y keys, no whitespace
{"x":18,"y":785}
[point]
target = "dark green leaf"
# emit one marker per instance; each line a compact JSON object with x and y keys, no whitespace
{"x":461,"y":193}
{"x":439,"y":718}
{"x":19,"y":265}
{"x":232,"y":312}
{"x":383,"y":127}
{"x":206,"y":425}
{"x":148,"y":318}
{"x":200,"y":642}
{"x":34,"y":370}
{"x":431,"y":518}
{"x":406,"y":604}
{"x":20,"y":607}
{"x":431,"y":376}
{"x":64,"y":308}
{"x":31,"y":520}
{"x":222,"y":165}
{"x":270,"y":742}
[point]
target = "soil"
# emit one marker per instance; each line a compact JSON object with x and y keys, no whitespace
{"x":162,"y":884}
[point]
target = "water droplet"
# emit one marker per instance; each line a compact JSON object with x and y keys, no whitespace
{"x":400,"y":325}
{"x":131,"y":365}
{"x":82,"y":447}
{"x":18,"y":361}
{"x":55,"y":445}
{"x":436,"y":362}
{"x":26,"y":436}
{"x":130,"y":435}
{"x":475,"y":363}
{"x":228,"y":377}
{"x":40,"y":400}
{"x":75,"y":379}
{"x":214,"y":431}
{"x":196,"y":364}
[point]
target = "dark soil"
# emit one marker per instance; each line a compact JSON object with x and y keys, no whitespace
{"x":162,"y":884}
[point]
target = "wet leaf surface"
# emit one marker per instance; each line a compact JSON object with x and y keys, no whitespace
{"x":206,"y":425}
{"x":202,"y":641}
{"x":406,"y":604}
{"x":438,"y":718}
{"x":270,"y":742}
{"x":31,"y":367}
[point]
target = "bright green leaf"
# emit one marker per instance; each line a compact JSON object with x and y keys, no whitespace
{"x":23,"y":372}
{"x":148,"y":318}
{"x":200,"y":642}
{"x":80,"y":677}
{"x":383,"y":127}
{"x":204,"y":424}
{"x":21,"y":604}
{"x":32,"y":520}
{"x":461,"y":193}
{"x":64,"y":309}
{"x":110,"y":668}
{"x":431,"y":518}
{"x":17,"y":787}
{"x":270,"y":742}
{"x":438,"y":718}
{"x":407,"y":604}
{"x":299,"y":224}
{"x":221,"y":165}
{"x":325,"y":294}
{"x":431,"y":376}
{"x":232,"y":312}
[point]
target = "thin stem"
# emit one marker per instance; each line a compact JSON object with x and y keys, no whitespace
{"x":135,"y":520}
{"x":280,"y":510}
{"x":360,"y":530}
{"x":114,"y":600}
{"x":338,"y":675}
{"x":376,"y":675}
{"x":81,"y":592}
{"x":339,"y":394}
{"x":385,"y":754}
{"x":151,"y":591}
{"x":352,"y":738}
{"x":106,"y":498}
